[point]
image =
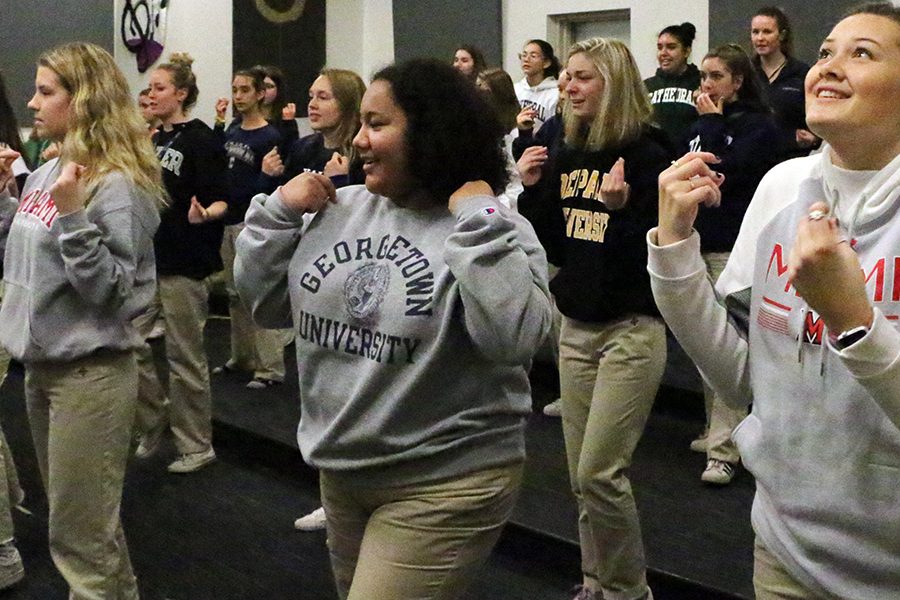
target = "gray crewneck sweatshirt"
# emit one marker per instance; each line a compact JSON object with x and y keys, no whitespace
{"x":74,"y":282}
{"x":414,"y":329}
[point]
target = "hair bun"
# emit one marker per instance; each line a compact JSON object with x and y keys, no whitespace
{"x":181,"y":58}
{"x":689,"y":32}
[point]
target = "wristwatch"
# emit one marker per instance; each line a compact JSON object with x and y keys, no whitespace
{"x":845,"y":339}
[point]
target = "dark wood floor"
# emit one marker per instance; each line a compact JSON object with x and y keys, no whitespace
{"x":226,"y":531}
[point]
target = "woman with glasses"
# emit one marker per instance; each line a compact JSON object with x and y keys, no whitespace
{"x":537,"y":90}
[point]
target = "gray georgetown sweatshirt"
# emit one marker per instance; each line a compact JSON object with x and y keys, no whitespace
{"x":414,"y":329}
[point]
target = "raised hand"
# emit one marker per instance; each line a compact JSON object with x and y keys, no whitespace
{"x":289,"y":112}
{"x":525,"y":118}
{"x":683,"y":187}
{"x":271,"y":163}
{"x":805,"y":138}
{"x":614,"y":190}
{"x":467,"y":190}
{"x":7,"y":179}
{"x":337,"y":165}
{"x":221,"y":107}
{"x":825,"y":271}
{"x":68,"y":191}
{"x":529,"y":165}
{"x":308,"y":192}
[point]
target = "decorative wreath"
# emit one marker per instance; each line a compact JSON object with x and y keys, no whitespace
{"x":281,"y":11}
{"x":144,"y":29}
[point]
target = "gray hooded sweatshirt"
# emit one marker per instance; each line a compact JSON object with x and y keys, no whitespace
{"x":823,"y":439}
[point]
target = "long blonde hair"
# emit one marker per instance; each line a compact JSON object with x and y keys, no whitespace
{"x":106,"y":132}
{"x":625,"y":107}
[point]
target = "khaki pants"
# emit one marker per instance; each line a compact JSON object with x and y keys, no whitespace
{"x":152,"y":406}
{"x":11,"y":492}
{"x":770,"y":579}
{"x":252,"y":348}
{"x":418,"y":541}
{"x":185,"y":305}
{"x":721,"y":418}
{"x":609,"y":374}
{"x":81,"y":413}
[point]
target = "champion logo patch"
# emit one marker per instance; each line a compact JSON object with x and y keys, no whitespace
{"x":488,"y":211}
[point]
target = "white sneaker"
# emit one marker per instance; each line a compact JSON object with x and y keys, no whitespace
{"x":718,"y":472}
{"x":188,"y":463}
{"x":554,"y":409}
{"x":261,"y":383}
{"x":314,"y":521}
{"x":148,"y":443}
{"x":11,"y":568}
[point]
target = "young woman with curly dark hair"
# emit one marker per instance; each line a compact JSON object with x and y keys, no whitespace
{"x":417,"y":303}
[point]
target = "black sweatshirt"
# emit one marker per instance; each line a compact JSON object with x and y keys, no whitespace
{"x":310,"y":154}
{"x":746,"y":140}
{"x":602,"y":254}
{"x":245,"y":149}
{"x":193,"y":164}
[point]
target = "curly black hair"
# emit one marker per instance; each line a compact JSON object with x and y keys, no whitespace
{"x":453,"y":135}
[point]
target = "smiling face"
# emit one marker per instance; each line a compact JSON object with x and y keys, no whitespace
{"x":585,"y":87}
{"x":853,"y":91}
{"x":672,"y":56}
{"x":381,"y":143}
{"x":764,"y":35}
{"x":244,"y":96}
{"x":51,"y":105}
{"x":717,"y":80}
{"x":324,"y":111}
{"x":166,"y":101}
{"x":463,"y":62}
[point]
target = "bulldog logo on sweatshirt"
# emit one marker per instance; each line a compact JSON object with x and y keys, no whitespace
{"x":365,"y":289}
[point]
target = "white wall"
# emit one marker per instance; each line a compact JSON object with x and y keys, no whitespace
{"x":359,"y":35}
{"x":527,"y":19}
{"x":203,"y":29}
